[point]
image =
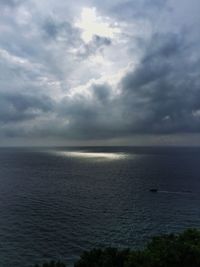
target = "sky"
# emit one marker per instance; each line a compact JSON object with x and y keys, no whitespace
{"x":90,"y":72}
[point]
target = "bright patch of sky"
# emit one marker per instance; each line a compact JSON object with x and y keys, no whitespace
{"x":92,"y":24}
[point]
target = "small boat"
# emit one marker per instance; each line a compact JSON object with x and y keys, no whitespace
{"x":154,"y":190}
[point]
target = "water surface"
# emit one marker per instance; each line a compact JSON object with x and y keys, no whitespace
{"x":57,"y":202}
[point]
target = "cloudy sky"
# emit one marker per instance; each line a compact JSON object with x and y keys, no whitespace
{"x":99,"y":72}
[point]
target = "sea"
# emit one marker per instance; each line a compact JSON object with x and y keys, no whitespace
{"x":57,"y":202}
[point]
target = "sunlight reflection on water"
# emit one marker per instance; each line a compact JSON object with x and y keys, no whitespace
{"x":92,"y":155}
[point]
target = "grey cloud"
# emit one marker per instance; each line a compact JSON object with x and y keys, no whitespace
{"x":127,"y":10}
{"x":162,"y":52}
{"x":163,"y":80}
{"x":101,"y":92}
{"x":90,"y":117}
{"x":97,"y":44}
{"x":158,"y":97}
{"x":11,"y":3}
{"x":54,"y":29}
{"x":43,"y":59}
{"x":20,"y":107}
{"x":102,"y":40}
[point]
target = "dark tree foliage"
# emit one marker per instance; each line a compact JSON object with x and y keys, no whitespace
{"x":105,"y":258}
{"x":171,"y":250}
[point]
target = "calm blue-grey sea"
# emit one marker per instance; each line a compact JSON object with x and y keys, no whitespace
{"x":56,"y":203}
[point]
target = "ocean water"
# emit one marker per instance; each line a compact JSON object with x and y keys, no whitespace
{"x":56,"y":203}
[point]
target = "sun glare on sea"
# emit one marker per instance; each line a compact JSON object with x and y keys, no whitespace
{"x":92,"y":155}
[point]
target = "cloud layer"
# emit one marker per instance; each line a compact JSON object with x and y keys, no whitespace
{"x":94,"y":70}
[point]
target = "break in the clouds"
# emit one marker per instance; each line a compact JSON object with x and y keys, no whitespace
{"x":91,"y":72}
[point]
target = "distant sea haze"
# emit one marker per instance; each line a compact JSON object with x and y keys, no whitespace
{"x":56,"y":203}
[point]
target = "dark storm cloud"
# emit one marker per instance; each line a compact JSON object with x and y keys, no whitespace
{"x":162,"y":53}
{"x":101,"y":92}
{"x":91,"y":117}
{"x":18,"y":107}
{"x":142,"y":77}
{"x":161,"y":95}
{"x":164,"y":88}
